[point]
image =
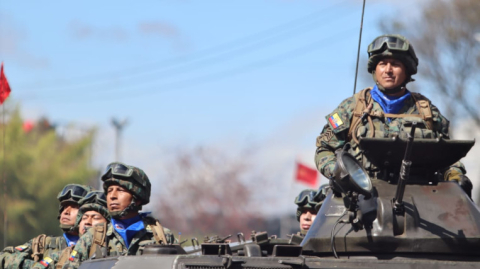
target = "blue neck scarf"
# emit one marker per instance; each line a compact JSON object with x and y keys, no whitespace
{"x":71,"y":239}
{"x":389,"y":104}
{"x":127,"y":228}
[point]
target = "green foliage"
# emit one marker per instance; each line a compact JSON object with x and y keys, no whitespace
{"x":37,"y":165}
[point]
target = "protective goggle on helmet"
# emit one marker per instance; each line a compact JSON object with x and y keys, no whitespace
{"x":74,"y":191}
{"x":120,"y":169}
{"x":391,"y":42}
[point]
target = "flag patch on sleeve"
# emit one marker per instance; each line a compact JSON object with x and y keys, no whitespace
{"x":72,"y":255}
{"x":46,"y":261}
{"x":335,"y":121}
{"x":21,"y":247}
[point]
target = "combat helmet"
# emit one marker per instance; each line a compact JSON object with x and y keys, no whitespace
{"x":131,"y":178}
{"x":394,"y":46}
{"x":308,"y":198}
{"x":94,"y":201}
{"x":71,"y":193}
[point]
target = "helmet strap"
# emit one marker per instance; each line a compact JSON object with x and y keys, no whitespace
{"x":132,"y":207}
{"x":67,"y":228}
{"x":395,"y":90}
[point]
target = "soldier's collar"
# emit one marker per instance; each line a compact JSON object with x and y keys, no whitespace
{"x":110,"y":229}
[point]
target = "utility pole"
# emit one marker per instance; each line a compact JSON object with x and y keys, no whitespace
{"x":118,"y":125}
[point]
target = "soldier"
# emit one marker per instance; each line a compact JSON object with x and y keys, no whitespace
{"x":386,"y":110}
{"x":127,"y":189}
{"x":309,"y":202}
{"x":92,"y":211}
{"x":42,"y":247}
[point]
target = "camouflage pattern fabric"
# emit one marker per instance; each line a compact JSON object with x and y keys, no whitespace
{"x":335,"y":133}
{"x":13,"y":257}
{"x":115,"y":244}
{"x":52,"y":256}
{"x":139,"y":191}
{"x":92,"y":207}
{"x":23,"y":258}
{"x":6,"y":256}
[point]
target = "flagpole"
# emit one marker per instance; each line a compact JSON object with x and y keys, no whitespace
{"x":4,"y":93}
{"x":4,"y":183}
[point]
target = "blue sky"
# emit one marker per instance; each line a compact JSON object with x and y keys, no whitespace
{"x":228,"y":74}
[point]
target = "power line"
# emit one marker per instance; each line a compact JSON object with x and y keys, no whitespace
{"x":218,"y":75}
{"x":151,"y":68}
{"x":182,"y":70}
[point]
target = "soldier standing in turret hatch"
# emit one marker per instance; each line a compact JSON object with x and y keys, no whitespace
{"x":386,"y":110}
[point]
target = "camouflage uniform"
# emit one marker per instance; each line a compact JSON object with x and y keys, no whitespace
{"x":137,"y":183}
{"x":115,"y":244}
{"x":11,"y":256}
{"x":333,"y":138}
{"x":22,"y":255}
{"x":91,"y":204}
{"x":338,"y":130}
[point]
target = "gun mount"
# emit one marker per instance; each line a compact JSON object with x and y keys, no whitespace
{"x":436,"y":220}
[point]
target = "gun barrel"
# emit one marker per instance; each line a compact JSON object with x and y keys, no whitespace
{"x":405,"y":169}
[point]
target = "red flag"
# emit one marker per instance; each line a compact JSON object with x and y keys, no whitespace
{"x":27,"y":126}
{"x":4,"y":87}
{"x":306,"y":175}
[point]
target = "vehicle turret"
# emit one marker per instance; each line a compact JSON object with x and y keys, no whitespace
{"x":404,"y":210}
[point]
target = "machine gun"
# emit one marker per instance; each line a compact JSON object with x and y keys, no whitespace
{"x":405,"y":207}
{"x":404,"y":173}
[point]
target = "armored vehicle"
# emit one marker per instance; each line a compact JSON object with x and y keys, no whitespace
{"x":403,"y":216}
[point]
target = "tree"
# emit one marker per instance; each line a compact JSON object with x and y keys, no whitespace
{"x":449,"y":54}
{"x":211,"y":193}
{"x":446,"y":39}
{"x":38,"y":163}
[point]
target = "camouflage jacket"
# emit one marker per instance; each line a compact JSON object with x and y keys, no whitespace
{"x":115,"y":244}
{"x":21,"y":256}
{"x":335,"y":133}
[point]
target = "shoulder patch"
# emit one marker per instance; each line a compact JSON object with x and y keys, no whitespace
{"x":72,"y":256}
{"x":335,"y":121}
{"x":21,"y":247}
{"x":338,"y":121}
{"x":46,"y":261}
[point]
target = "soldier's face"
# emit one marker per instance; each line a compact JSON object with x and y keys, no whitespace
{"x":89,"y":219}
{"x":118,"y":198}
{"x":69,"y":213}
{"x":390,"y":73}
{"x":307,"y":218}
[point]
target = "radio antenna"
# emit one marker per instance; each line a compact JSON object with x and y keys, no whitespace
{"x":358,"y":52}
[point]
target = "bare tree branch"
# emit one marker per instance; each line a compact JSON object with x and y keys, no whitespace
{"x":449,"y":54}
